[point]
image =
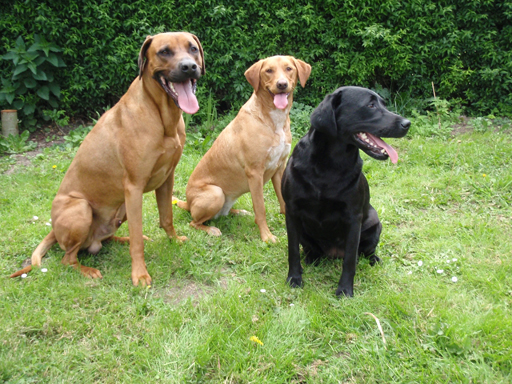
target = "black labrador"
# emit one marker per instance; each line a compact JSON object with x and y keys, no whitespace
{"x":327,"y":197}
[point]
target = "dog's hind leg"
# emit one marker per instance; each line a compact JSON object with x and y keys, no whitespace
{"x":370,"y":235}
{"x":208,"y":203}
{"x":312,"y":253}
{"x":72,"y":227}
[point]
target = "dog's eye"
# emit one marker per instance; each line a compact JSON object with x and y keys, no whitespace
{"x":269,"y":70}
{"x":288,"y":69}
{"x":193,"y":49}
{"x":371,"y":105}
{"x":165,"y":52}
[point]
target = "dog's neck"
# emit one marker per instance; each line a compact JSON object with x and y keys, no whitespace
{"x":334,"y":153}
{"x":262,"y":105}
{"x":169,"y":112}
{"x":279,"y":118}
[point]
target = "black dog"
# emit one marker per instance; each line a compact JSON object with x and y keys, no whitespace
{"x":327,"y":197}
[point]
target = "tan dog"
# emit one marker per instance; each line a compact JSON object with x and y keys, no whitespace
{"x":251,"y":150}
{"x":134,"y":148}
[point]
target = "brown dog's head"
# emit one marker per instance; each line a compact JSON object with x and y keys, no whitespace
{"x":277,"y":76}
{"x":175,"y":60}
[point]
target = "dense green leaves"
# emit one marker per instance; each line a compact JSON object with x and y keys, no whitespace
{"x":463,"y":47}
{"x":31,"y":78}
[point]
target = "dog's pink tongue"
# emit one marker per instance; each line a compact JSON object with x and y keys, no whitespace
{"x":281,"y":100}
{"x":389,"y":149}
{"x":186,"y":98}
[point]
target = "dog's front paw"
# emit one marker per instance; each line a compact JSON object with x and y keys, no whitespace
{"x":181,"y":239}
{"x":294,"y":281}
{"x":345,"y":292}
{"x":270,"y":238}
{"x":144,"y":280}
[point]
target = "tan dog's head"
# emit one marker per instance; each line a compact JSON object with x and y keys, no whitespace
{"x":175,"y":60}
{"x":277,"y":76}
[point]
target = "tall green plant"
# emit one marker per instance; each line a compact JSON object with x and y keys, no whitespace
{"x":32,"y":82}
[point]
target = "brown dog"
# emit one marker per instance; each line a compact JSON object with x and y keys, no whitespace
{"x":252,"y":149}
{"x":134,"y":148}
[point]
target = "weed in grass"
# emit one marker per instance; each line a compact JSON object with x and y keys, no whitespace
{"x":17,"y":144}
{"x":75,"y":137}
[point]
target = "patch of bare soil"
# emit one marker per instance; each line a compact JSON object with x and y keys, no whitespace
{"x":465,"y":125}
{"x":462,"y":127}
{"x":44,"y":137}
{"x":179,"y":292}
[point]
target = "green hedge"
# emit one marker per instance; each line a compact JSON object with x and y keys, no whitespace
{"x":463,"y":46}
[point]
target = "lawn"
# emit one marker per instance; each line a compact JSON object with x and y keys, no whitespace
{"x":442,"y":294}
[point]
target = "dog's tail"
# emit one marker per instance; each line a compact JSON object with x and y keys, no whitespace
{"x":181,"y":204}
{"x":38,"y":254}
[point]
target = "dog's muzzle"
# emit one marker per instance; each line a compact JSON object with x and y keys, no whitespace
{"x":181,"y":83}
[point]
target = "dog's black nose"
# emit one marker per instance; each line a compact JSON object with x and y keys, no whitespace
{"x":188,"y":66}
{"x":282,"y":84}
{"x":405,"y":124}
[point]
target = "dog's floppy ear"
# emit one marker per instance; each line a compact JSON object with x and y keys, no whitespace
{"x":142,"y":54}
{"x":203,"y":71}
{"x":304,"y":70}
{"x":323,"y":118}
{"x":253,"y":75}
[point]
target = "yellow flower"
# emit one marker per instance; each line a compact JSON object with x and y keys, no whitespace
{"x":484,"y":175}
{"x":54,"y":166}
{"x":175,"y":201}
{"x":255,"y":340}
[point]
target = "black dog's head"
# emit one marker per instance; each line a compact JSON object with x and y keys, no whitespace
{"x":359,"y":116}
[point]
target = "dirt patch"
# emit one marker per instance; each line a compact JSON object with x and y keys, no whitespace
{"x":470,"y":124}
{"x":183,"y":292}
{"x":462,"y":127}
{"x":179,"y":292}
{"x":44,"y":137}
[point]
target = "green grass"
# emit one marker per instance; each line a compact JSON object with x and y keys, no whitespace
{"x":193,"y":325}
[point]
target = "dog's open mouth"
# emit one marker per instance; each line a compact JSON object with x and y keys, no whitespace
{"x":280,"y":99}
{"x":376,"y":147}
{"x":183,"y":93}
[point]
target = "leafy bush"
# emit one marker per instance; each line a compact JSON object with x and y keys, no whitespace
{"x":464,"y":47}
{"x":32,"y":80}
{"x":438,"y":121}
{"x":299,"y":119}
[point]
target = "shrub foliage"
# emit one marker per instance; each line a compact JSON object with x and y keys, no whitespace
{"x":463,"y":46}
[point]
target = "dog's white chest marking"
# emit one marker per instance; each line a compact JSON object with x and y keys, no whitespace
{"x":280,"y":151}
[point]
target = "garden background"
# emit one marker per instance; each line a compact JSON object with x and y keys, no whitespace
{"x":398,"y":48}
